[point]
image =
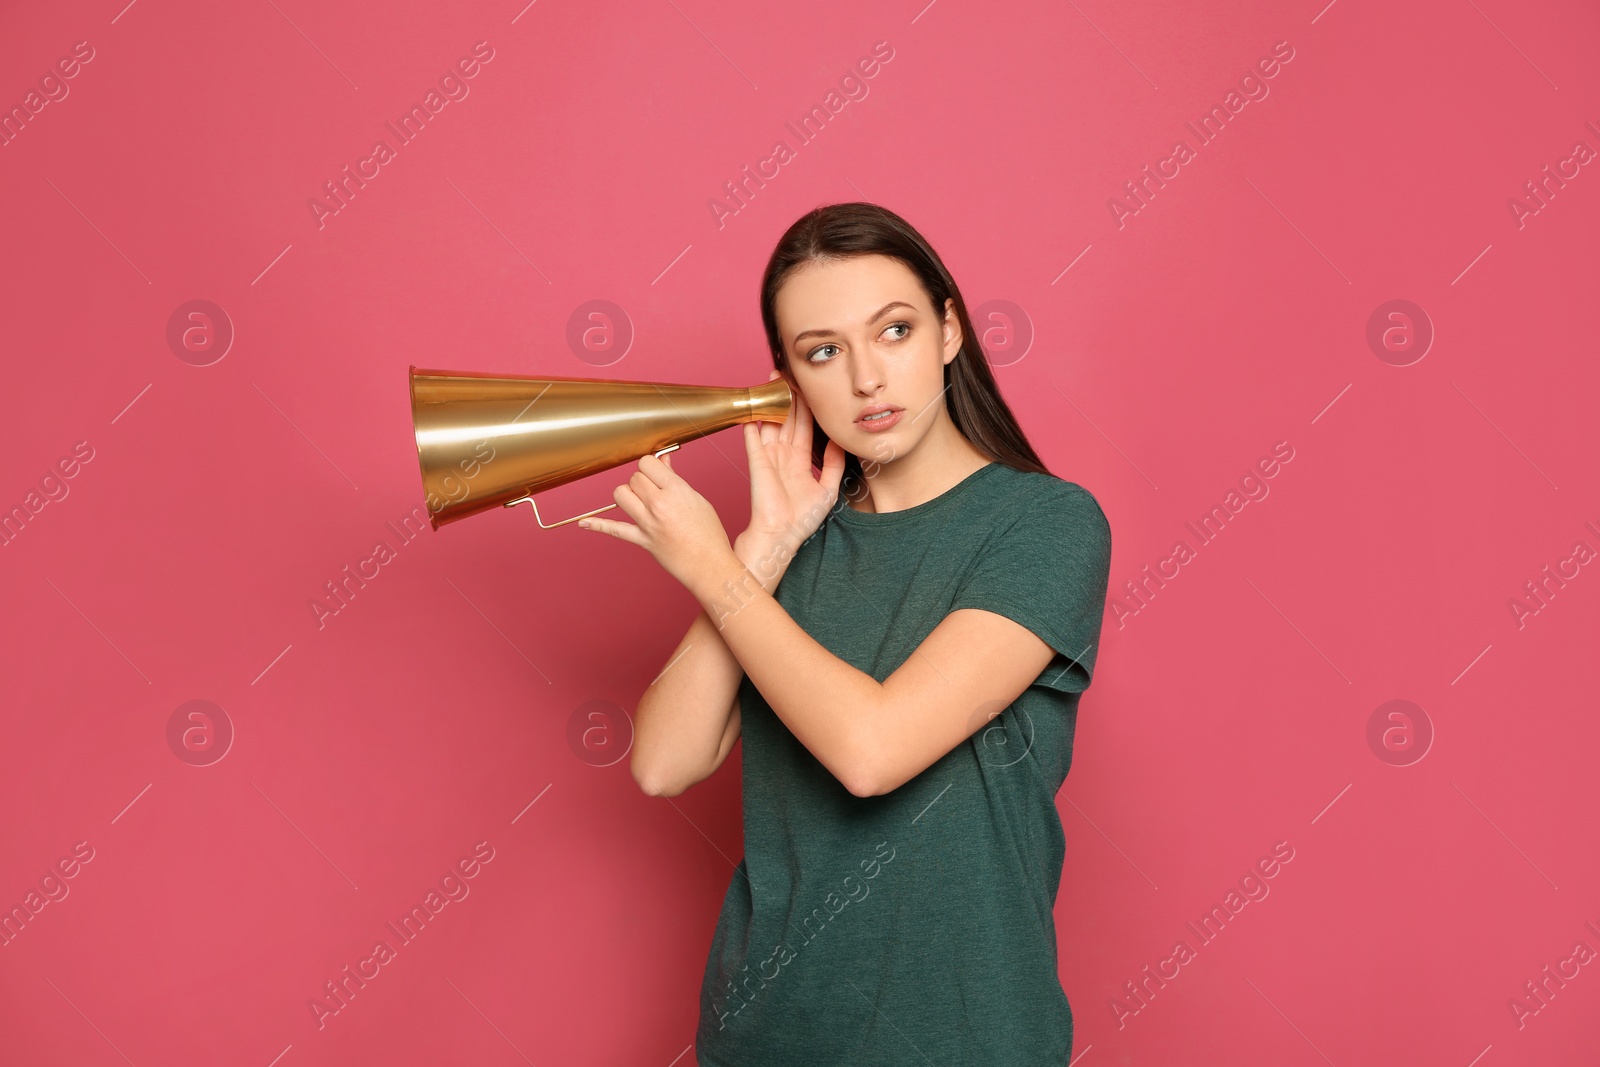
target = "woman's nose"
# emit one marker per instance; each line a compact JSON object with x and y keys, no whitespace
{"x":868,"y":371}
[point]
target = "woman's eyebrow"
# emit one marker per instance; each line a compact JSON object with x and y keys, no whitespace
{"x":880,"y":313}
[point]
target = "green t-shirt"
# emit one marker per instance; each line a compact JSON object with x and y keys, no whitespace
{"x":914,"y":927}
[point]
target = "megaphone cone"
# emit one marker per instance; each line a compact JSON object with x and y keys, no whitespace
{"x":487,"y":441}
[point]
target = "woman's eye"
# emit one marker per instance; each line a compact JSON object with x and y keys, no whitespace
{"x":900,"y":326}
{"x":812,"y":358}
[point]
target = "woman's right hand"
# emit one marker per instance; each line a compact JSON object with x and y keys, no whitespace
{"x":787,"y":503}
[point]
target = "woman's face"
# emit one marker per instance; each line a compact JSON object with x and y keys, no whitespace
{"x":860,"y":334}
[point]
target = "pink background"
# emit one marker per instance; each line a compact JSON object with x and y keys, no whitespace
{"x":1154,"y":362}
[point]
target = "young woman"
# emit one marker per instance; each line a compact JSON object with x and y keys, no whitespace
{"x":901,"y":641}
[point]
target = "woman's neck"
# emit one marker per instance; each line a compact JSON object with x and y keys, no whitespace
{"x":930,"y":471}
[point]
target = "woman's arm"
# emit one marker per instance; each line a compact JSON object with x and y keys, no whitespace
{"x":872,"y":737}
{"x":684,"y":726}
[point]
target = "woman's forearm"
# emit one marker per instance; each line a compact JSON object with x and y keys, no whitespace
{"x":820,"y":697}
{"x":683,"y":717}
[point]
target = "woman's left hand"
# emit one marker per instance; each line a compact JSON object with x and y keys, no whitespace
{"x":671,"y":521}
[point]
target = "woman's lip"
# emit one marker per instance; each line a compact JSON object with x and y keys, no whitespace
{"x":884,"y":423}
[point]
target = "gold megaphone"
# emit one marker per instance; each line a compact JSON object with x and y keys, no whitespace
{"x":486,"y":440}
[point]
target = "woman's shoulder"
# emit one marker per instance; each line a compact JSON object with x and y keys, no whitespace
{"x":1051,"y":490}
{"x":1043,"y":508}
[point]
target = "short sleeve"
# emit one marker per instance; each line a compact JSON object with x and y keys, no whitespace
{"x":1049,"y":569}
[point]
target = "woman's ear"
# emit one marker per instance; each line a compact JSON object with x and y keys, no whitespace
{"x":952,"y":331}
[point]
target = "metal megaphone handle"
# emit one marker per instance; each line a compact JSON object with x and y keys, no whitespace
{"x":552,"y":525}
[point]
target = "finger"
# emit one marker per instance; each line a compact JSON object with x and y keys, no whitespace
{"x":629,"y":503}
{"x":799,"y":421}
{"x":656,"y":473}
{"x":622,"y":531}
{"x":756,"y":437}
{"x":650,"y":478}
{"x":800,"y":418}
{"x":773,"y":431}
{"x":785,"y":432}
{"x":832,"y":466}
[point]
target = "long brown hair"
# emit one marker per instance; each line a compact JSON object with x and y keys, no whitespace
{"x":839,"y":231}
